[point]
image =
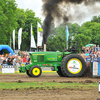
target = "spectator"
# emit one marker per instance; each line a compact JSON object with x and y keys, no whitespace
{"x":83,"y":49}
{"x":26,"y":54}
{"x":19,"y":53}
{"x":17,"y":59}
{"x":10,"y":54}
{"x":0,"y":59}
{"x":14,"y":60}
{"x":94,"y":54}
{"x":21,"y":60}
{"x":94,"y":48}
{"x":13,"y":57}
{"x":4,"y":61}
{"x":28,"y":60}
{"x":24,"y":59}
{"x":22,"y":54}
{"x":98,"y":51}
{"x":87,"y":52}
{"x":97,"y":48}
{"x":90,"y":50}
{"x":9,"y":61}
{"x":88,"y":60}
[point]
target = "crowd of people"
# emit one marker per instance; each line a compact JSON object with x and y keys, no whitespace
{"x":22,"y":57}
{"x":91,"y":53}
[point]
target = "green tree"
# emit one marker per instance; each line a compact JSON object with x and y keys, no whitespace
{"x":24,"y":20}
{"x":96,"y":19}
{"x":57,"y":38}
{"x":93,"y":29}
{"x":7,"y":19}
{"x":82,"y":40}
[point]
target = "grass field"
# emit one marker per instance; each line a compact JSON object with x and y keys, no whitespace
{"x":46,"y":85}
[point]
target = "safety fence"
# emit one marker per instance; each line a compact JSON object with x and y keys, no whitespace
{"x":95,"y":66}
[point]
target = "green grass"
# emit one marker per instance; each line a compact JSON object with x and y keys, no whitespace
{"x":47,"y":85}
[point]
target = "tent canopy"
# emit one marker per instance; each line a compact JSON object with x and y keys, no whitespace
{"x":89,"y":45}
{"x":5,"y":49}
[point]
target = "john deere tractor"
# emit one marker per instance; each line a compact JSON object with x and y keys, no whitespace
{"x":67,"y":63}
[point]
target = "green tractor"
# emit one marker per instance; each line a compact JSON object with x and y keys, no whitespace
{"x":67,"y":63}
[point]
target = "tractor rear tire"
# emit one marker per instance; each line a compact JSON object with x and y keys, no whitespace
{"x":35,"y":71}
{"x":73,"y":65}
{"x":59,"y":72}
{"x":28,"y":73}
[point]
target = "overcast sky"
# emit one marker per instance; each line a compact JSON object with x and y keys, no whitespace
{"x":35,"y":5}
{"x":79,"y":13}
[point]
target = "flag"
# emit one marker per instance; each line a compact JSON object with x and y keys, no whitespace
{"x":14,"y":39}
{"x":19,"y":37}
{"x":39,"y":35}
{"x":67,"y":33}
{"x":33,"y":45}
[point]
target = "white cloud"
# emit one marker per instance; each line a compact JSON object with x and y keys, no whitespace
{"x":35,"y":5}
{"x":79,"y":13}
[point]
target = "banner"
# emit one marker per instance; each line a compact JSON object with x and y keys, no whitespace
{"x":33,"y":45}
{"x":39,"y":35}
{"x":19,"y":37}
{"x":8,"y":69}
{"x":95,"y":68}
{"x":14,"y":39}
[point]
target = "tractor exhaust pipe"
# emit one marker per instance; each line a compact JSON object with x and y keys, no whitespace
{"x":44,"y":46}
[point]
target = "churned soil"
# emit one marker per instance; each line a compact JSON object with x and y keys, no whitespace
{"x":57,"y":94}
{"x":48,"y":94}
{"x":45,"y":78}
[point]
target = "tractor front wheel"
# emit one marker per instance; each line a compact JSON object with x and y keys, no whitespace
{"x":35,"y":71}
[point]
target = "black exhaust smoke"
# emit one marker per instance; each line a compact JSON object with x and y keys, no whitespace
{"x":51,"y":11}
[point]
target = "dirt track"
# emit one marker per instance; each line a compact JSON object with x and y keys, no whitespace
{"x":59,"y":94}
{"x":54,"y":94}
{"x":43,"y":78}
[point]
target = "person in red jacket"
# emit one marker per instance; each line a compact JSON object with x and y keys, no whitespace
{"x":24,"y":59}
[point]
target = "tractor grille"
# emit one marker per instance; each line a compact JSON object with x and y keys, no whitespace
{"x":41,"y":58}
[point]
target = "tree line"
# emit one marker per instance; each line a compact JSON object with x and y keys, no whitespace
{"x":12,"y":18}
{"x":87,"y":33}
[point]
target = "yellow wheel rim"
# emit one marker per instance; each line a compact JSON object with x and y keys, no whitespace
{"x":74,"y":66}
{"x":36,"y":71}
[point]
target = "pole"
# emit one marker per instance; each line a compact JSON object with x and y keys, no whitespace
{"x":67,"y":45}
{"x":37,"y":36}
{"x":10,"y":35}
{"x":30,"y":39}
{"x":10,"y":40}
{"x":66,"y":37}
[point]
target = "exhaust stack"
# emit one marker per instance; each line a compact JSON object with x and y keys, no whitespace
{"x":44,"y":46}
